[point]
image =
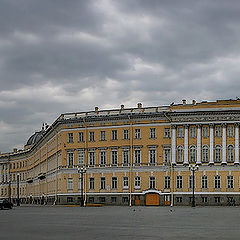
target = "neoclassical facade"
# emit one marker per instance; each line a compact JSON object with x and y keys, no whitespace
{"x":132,"y":156}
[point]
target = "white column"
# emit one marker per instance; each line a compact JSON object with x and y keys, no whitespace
{"x":236,"y":144}
{"x":173,"y":144}
{"x":211,"y":144}
{"x":199,"y":136}
{"x":224,"y":161}
{"x":186,"y":145}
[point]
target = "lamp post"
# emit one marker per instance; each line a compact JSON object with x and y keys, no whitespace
{"x":18,"y":200}
{"x":82,"y":170}
{"x":193,"y":168}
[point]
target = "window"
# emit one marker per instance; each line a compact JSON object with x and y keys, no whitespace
{"x":70,"y":137}
{"x":70,"y":157}
{"x":204,"y":199}
{"x":102,"y":183}
{"x":229,"y":181}
{"x":125,"y":134}
{"x":179,"y":199}
{"x":180,"y":154}
{"x":80,"y":184}
{"x":204,"y":180}
{"x":91,"y":158}
{"x":102,"y":199}
{"x":80,"y":137}
{"x":91,"y":183}
{"x":81,"y":156}
{"x":152,"y":156}
{"x":70,"y":184}
{"x":167,"y":182}
{"x":69,"y":199}
{"x":205,"y":132}
{"x":125,"y":156}
{"x":218,"y":131}
{"x":103,"y":136}
{"x":217,"y":199}
{"x":114,"y":182}
{"x":103,"y":155}
{"x":192,"y":132}
{"x":114,"y":135}
{"x":137,"y":134}
{"x":230,"y":153}
{"x":217,"y":182}
{"x":167,"y":132}
{"x":230,"y":131}
{"x":91,"y":199}
{"x":114,"y":157}
{"x":205,"y":154}
{"x":152,"y":182}
{"x":167,"y":155}
{"x":113,"y":199}
{"x":190,"y":182}
{"x":179,"y":181}
{"x":91,"y":137}
{"x":137,"y":182}
{"x":152,"y":132}
{"x":137,"y":156}
{"x":218,"y":153}
{"x":193,"y":154}
{"x":125,"y":182}
{"x":180,"y":132}
{"x":125,"y":200}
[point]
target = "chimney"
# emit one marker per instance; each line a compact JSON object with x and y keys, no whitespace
{"x":122,"y":107}
{"x":15,"y":150}
{"x":194,"y":102}
{"x":184,"y":101}
{"x":96,"y":109}
{"x":139,"y":105}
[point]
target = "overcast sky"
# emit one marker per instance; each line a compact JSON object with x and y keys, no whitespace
{"x":61,"y":56}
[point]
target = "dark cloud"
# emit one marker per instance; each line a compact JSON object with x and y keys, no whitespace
{"x":62,"y":56}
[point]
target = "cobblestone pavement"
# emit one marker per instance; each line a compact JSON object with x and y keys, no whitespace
{"x":48,"y":222}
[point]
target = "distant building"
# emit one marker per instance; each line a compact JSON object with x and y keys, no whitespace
{"x":133,"y":156}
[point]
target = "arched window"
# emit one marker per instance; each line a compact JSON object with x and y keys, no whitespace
{"x":180,"y":154}
{"x":218,"y":154}
{"x":205,"y":154}
{"x":192,"y":154}
{"x":230,"y":153}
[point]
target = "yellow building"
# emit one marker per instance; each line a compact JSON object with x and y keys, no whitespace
{"x":132,"y":156}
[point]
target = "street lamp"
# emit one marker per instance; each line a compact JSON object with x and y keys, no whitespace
{"x":18,"y":200}
{"x":193,"y":168}
{"x":82,"y":170}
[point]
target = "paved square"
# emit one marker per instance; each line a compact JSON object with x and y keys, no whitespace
{"x":47,"y":222}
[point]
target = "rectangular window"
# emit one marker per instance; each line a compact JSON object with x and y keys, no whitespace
{"x":69,"y":199}
{"x":91,"y":183}
{"x":217,"y":131}
{"x":125,"y":134}
{"x":125,"y":156}
{"x":114,"y":182}
{"x":137,"y":133}
{"x":91,"y":137}
{"x":70,"y":137}
{"x":103,"y":157}
{"x":230,"y":131}
{"x":102,"y":199}
{"x":152,"y":132}
{"x":230,"y":182}
{"x":204,"y":180}
{"x":217,"y":199}
{"x":102,"y":183}
{"x":179,"y":199}
{"x":167,"y":154}
{"x":70,"y":184}
{"x":114,"y":135}
{"x":167,"y":132}
{"x":91,"y":199}
{"x":179,"y":181}
{"x":205,"y":132}
{"x":137,"y":156}
{"x":80,"y":185}
{"x":81,"y":156}
{"x":152,"y":156}
{"x":217,"y":182}
{"x":167,"y":182}
{"x":70,"y":157}
{"x":113,"y":199}
{"x":180,"y":132}
{"x":137,"y":182}
{"x":91,"y":156}
{"x":190,"y":182}
{"x":103,"y":135}
{"x":192,"y":132}
{"x":152,"y":183}
{"x":80,"y":137}
{"x":125,"y":200}
{"x":204,"y":199}
{"x":114,"y":157}
{"x":125,"y":182}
